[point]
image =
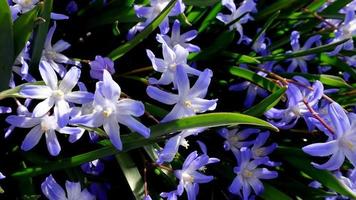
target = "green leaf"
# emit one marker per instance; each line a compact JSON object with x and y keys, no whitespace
{"x":319,"y":49}
{"x":221,"y":42}
{"x":41,"y":34}
{"x":133,"y":141}
{"x":301,"y":161}
{"x":132,"y":174}
{"x":337,"y":63}
{"x":277,"y":5}
{"x":326,"y":79}
{"x":266,"y":25}
{"x":210,"y":17}
{"x":272,"y":193}
{"x":239,"y":58}
{"x":200,"y":3}
{"x":23,"y":27}
{"x":254,"y":78}
{"x":7,"y":56}
{"x":266,"y":104}
{"x":123,"y":49}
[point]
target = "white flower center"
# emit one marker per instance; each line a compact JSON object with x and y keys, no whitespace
{"x":184,"y":143}
{"x":48,"y":123}
{"x":58,"y":94}
{"x":344,"y":142}
{"x":187,"y":177}
{"x":247,"y":173}
{"x":188,"y":104}
{"x":107,"y":112}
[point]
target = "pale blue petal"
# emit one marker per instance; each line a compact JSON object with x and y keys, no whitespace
{"x":52,"y":190}
{"x":52,"y":143}
{"x":162,"y":96}
{"x":70,"y":80}
{"x":79,"y":97}
{"x":43,"y":107}
{"x":133,"y":124}
{"x":32,"y":138}
{"x":36,"y":91}
{"x":48,"y":75}
{"x":22,"y":121}
{"x":130,"y":107}
{"x":112,"y":128}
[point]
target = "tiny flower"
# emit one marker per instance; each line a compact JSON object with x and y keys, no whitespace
{"x":247,"y":6}
{"x":235,"y":139}
{"x":342,"y":145}
{"x":301,"y":61}
{"x":53,"y":191}
{"x":151,"y":12}
{"x":287,"y":118}
{"x":46,"y":125}
{"x":248,"y":174}
{"x":259,"y":151}
{"x":72,"y":7}
{"x":188,"y":101}
{"x":52,"y":54}
{"x":56,"y":94}
{"x":167,"y":66}
{"x":98,"y":65}
{"x":109,"y":111}
{"x":178,"y":39}
{"x":190,"y":177}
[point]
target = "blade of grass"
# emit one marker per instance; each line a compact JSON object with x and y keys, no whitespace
{"x":123,"y":49}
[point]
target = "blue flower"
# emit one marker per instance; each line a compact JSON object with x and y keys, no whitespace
{"x":51,"y":55}
{"x":345,"y":31}
{"x":247,"y":6}
{"x":287,"y":118}
{"x":98,"y":65}
{"x":235,"y":139}
{"x":109,"y":111}
{"x":342,"y":145}
{"x":56,"y":94}
{"x":151,"y":12}
{"x":94,"y":167}
{"x":172,"y":145}
{"x":249,"y":175}
{"x":301,"y":61}
{"x":167,"y":66}
{"x":72,"y":7}
{"x":53,"y":191}
{"x":178,"y":39}
{"x":41,"y":125}
{"x":259,"y":151}
{"x":188,"y":101}
{"x":170,"y":195}
{"x":189,"y":175}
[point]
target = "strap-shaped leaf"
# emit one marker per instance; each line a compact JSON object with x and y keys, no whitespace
{"x":132,"y":174}
{"x":319,"y":49}
{"x":326,"y":79}
{"x":266,"y":104}
{"x":23,"y":27}
{"x":123,"y":49}
{"x":254,"y":78}
{"x":134,"y":141}
{"x":6,"y":45}
{"x":41,"y":34}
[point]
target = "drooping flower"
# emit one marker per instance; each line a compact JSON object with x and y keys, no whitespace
{"x":109,"y":111}
{"x":190,"y":177}
{"x":188,"y":101}
{"x":247,"y":6}
{"x":44,"y":125}
{"x":287,"y":118}
{"x":248,"y":174}
{"x":342,"y":145}
{"x":56,"y":94}
{"x":151,"y":12}
{"x":179,"y":39}
{"x":235,"y":139}
{"x":301,"y":61}
{"x":98,"y":65}
{"x":53,"y":191}
{"x":167,"y":66}
{"x":52,"y":55}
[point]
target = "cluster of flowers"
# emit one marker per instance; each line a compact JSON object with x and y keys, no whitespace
{"x":65,"y":111}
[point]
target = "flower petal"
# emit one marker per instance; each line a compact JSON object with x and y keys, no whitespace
{"x":70,"y":80}
{"x":22,"y":121}
{"x":135,"y":125}
{"x":112,"y":128}
{"x":52,"y":190}
{"x":322,"y":149}
{"x":32,"y":138}
{"x":48,"y":75}
{"x":52,"y":143}
{"x":36,"y":91}
{"x":43,"y":107}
